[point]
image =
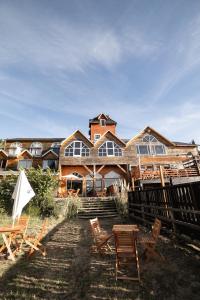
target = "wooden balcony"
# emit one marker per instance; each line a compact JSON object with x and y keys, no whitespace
{"x":188,"y":172}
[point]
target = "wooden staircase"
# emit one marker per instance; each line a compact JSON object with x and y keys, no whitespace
{"x":101,"y":207}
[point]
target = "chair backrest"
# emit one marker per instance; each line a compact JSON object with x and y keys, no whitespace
{"x":76,"y":193}
{"x":95,"y":226}
{"x":23,"y":223}
{"x":124,"y":240}
{"x":156,"y":229}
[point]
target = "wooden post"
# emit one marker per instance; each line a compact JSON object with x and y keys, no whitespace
{"x":94,"y":178}
{"x":84,"y":186}
{"x":133,"y":184}
{"x":169,"y":213}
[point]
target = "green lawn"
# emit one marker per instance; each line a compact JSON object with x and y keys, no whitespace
{"x":70,"y":271}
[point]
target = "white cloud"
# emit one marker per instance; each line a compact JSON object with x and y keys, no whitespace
{"x":184,"y":57}
{"x":63,"y":45}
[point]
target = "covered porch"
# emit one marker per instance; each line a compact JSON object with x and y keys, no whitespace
{"x":92,"y":180}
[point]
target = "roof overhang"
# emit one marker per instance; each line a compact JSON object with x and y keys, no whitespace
{"x":150,"y":130}
{"x":73,"y":134}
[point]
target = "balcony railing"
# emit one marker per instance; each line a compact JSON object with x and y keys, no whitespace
{"x":188,"y":172}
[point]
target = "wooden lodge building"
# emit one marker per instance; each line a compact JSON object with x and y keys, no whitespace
{"x":94,"y":164}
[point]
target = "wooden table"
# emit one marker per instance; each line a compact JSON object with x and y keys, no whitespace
{"x":11,"y":234}
{"x":125,"y":227}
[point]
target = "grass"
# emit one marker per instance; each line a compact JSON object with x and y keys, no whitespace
{"x":70,"y":271}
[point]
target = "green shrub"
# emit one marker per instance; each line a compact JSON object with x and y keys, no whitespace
{"x":72,"y":206}
{"x":43,"y":183}
{"x":7,"y":186}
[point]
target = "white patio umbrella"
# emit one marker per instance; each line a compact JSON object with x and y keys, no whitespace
{"x":22,"y":194}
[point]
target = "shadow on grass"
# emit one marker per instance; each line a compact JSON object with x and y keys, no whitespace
{"x":71,"y":272}
{"x":68,"y":272}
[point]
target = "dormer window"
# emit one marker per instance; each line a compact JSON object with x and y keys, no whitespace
{"x":55,"y":147}
{"x":110,"y":148}
{"x":15,"y":149}
{"x":96,"y":137}
{"x":102,"y":122}
{"x":36,"y":149}
{"x":77,"y":148}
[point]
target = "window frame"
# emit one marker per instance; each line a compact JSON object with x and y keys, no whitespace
{"x":73,"y":148}
{"x":107,"y":148}
{"x":103,"y":122}
{"x":27,"y":160}
{"x":36,"y":149}
{"x":13,"y":149}
{"x":96,"y":139}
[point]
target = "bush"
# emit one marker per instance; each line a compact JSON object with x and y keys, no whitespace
{"x":7,"y":186}
{"x":43,"y":183}
{"x":72,"y":206}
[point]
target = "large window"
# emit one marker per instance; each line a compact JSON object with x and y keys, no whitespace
{"x":77,"y":148}
{"x":24,"y":164}
{"x":110,"y":148}
{"x":36,"y":149}
{"x":50,"y":163}
{"x":150,"y":146}
{"x":15,"y":149}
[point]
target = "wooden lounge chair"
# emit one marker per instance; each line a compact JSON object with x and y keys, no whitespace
{"x":149,"y":241}
{"x":126,"y":255}
{"x":101,"y":237}
{"x":34,"y":242}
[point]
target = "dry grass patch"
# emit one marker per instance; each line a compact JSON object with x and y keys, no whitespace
{"x":70,"y":271}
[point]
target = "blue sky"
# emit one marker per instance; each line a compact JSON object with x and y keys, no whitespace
{"x":63,"y":62}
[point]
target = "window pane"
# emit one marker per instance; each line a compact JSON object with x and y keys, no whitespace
{"x":77,"y":144}
{"x":143,"y":149}
{"x":159,"y":149}
{"x":109,"y":144}
{"x":110,"y":152}
{"x":77,"y":151}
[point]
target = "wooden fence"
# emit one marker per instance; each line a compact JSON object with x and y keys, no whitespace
{"x":178,"y":207}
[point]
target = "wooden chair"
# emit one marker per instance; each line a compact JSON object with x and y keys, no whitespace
{"x":126,"y":255}
{"x":22,"y":222}
{"x":34,"y":242}
{"x":76,"y":193}
{"x":149,"y":241}
{"x":101,"y":237}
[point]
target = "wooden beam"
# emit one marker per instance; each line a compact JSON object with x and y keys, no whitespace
{"x":122,"y":169}
{"x":99,"y":170}
{"x":86,"y":167}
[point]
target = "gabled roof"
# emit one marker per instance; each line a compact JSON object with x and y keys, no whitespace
{"x":99,"y":141}
{"x":25,"y":151}
{"x":96,"y":120}
{"x":73,"y":134}
{"x":150,"y":130}
{"x":48,"y":151}
{"x":4,"y":152}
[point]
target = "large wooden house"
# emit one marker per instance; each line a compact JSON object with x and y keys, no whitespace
{"x":93,"y":164}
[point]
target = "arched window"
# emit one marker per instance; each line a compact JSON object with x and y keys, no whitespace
{"x":110,"y":148}
{"x":77,"y":148}
{"x":149,"y":138}
{"x":15,"y":149}
{"x":55,"y":147}
{"x":36,"y":149}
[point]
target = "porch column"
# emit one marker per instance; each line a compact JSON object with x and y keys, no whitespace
{"x":84,"y":186}
{"x":94,"y":177}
